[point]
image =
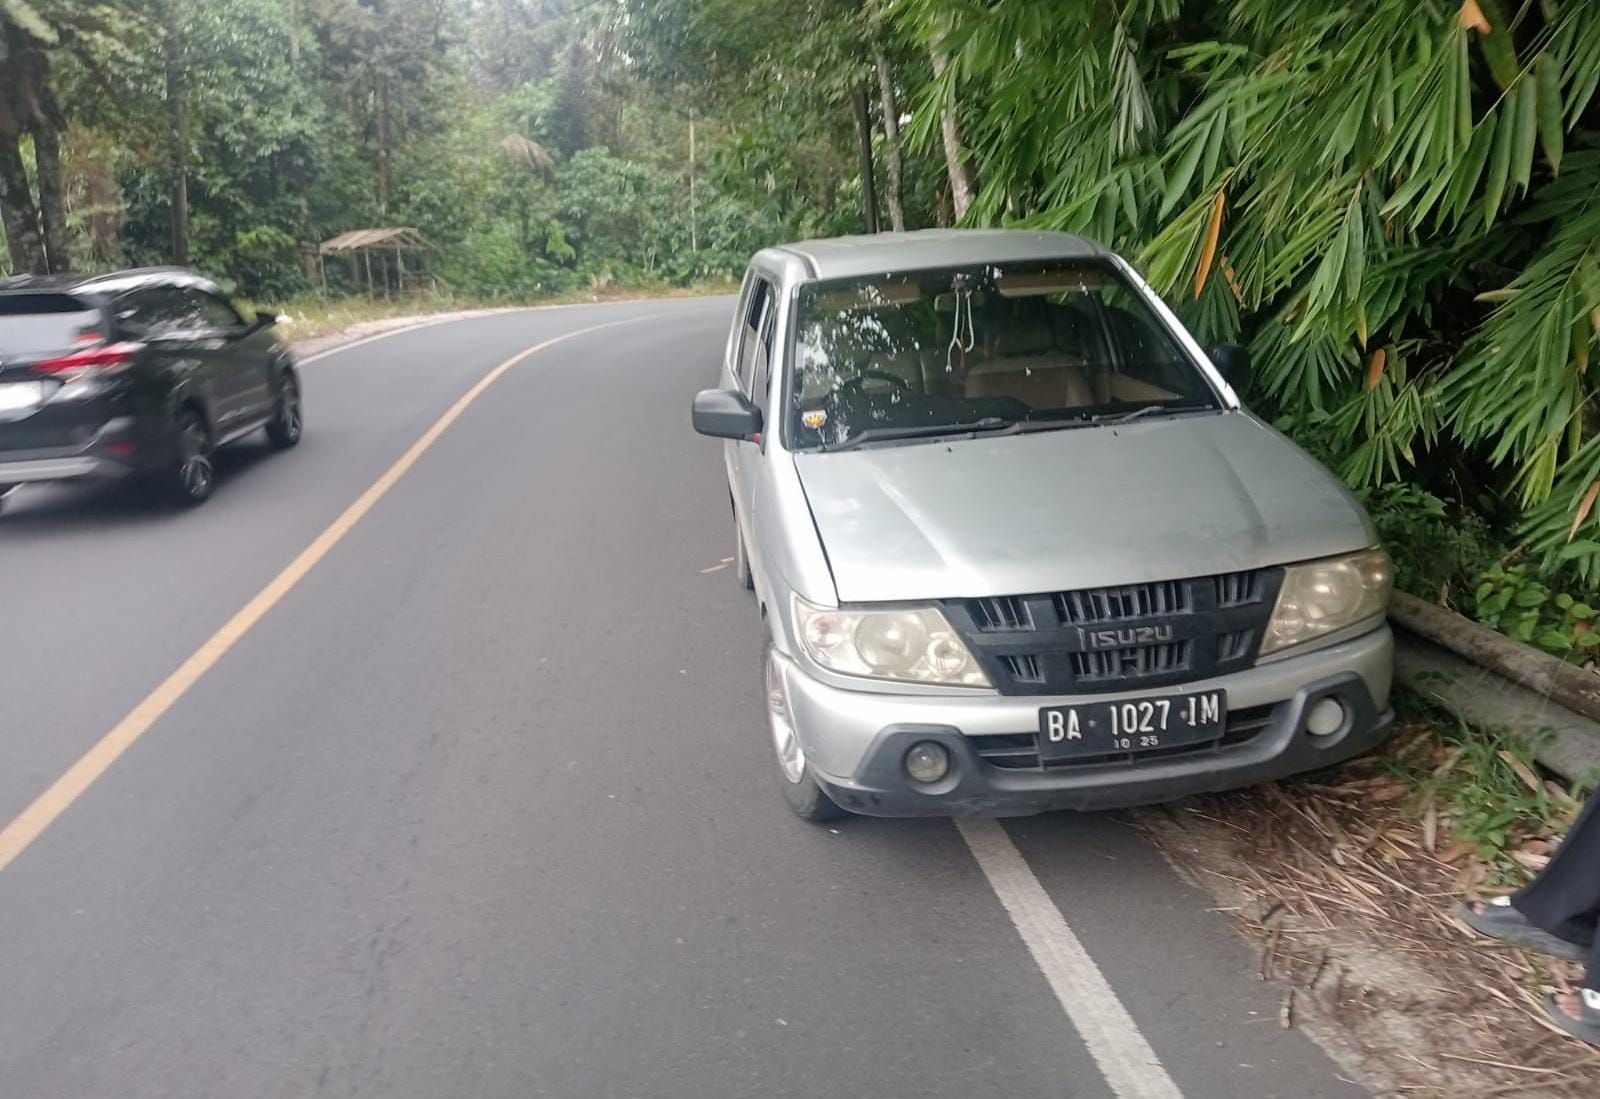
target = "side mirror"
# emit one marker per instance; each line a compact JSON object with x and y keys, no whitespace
{"x":726,"y":414}
{"x":1233,"y":361}
{"x":263,"y":320}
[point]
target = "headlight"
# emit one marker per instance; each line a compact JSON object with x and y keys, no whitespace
{"x":915,"y":645}
{"x":1322,"y":596}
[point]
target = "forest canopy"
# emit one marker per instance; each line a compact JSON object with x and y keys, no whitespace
{"x":1395,"y":205}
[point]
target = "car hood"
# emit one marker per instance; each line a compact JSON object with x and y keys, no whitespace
{"x":1076,"y":508}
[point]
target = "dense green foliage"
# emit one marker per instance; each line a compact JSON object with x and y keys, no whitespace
{"x":510,"y":132}
{"x":1395,"y":204}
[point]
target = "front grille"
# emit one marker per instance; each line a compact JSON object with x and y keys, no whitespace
{"x":1120,"y":636}
{"x":1004,"y":613}
{"x":1024,"y":668}
{"x":1237,"y":588}
{"x":1135,"y":661}
{"x":1020,"y":751}
{"x":1235,"y":644}
{"x":1118,"y":604}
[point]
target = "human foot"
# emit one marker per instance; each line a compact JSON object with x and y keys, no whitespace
{"x":1498,"y":919}
{"x":1577,"y":1013}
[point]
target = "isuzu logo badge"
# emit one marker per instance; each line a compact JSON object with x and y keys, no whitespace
{"x":1118,"y":639}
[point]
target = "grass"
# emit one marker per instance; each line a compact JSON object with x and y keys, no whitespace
{"x":1482,"y":786}
{"x":311,"y":316}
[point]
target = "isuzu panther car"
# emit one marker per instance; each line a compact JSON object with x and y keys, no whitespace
{"x":1017,"y":545}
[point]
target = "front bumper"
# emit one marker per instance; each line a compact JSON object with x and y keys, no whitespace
{"x":856,"y":741}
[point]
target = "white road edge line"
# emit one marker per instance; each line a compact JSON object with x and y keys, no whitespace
{"x":480,"y":314}
{"x":1125,"y":1059}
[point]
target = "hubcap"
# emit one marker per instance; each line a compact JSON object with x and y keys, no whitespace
{"x":196,"y":469}
{"x":791,"y":757}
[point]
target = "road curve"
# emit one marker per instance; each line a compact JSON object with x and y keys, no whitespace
{"x":482,"y":806}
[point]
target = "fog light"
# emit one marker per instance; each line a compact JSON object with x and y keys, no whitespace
{"x":927,"y":762}
{"x":1325,"y":718}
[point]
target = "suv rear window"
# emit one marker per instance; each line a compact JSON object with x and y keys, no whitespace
{"x":34,"y":323}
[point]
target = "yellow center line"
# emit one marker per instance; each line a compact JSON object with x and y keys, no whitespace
{"x":31,"y":823}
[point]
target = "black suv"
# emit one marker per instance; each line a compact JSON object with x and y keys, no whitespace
{"x":140,"y":372}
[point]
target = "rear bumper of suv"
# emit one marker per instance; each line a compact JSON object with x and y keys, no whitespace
{"x":115,"y":450}
{"x":856,"y":741}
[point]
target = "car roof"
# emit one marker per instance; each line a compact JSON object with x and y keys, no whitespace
{"x":109,"y":284}
{"x":874,"y":254}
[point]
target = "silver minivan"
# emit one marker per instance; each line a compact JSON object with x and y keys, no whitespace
{"x":1016,"y":544}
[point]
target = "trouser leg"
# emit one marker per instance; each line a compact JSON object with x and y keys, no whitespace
{"x":1565,"y":898}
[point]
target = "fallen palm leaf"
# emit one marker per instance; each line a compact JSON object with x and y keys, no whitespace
{"x":1585,"y":506}
{"x":1375,"y":367}
{"x":1208,"y":250}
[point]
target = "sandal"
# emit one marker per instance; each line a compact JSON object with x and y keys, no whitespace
{"x":1499,"y":920}
{"x":1586,"y":1028}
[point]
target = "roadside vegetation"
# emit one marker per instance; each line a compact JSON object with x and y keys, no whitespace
{"x":1396,"y":205}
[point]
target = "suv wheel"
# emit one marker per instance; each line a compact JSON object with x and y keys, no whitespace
{"x":800,"y":789}
{"x":191,"y":476}
{"x":286,"y":424}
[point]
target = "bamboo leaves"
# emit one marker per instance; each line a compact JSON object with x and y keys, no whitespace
{"x":1398,"y":204}
{"x":1547,"y":79}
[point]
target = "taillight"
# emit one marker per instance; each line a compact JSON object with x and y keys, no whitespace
{"x":105,"y":358}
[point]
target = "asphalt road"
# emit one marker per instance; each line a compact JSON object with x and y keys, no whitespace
{"x":483,"y":804}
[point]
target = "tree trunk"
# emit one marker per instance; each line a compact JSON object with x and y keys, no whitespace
{"x":891,"y":139}
{"x":385,"y":170}
{"x":694,"y":224}
{"x":20,"y":212}
{"x":961,"y":181}
{"x":1538,"y":671}
{"x":178,"y":125}
{"x":869,"y":189}
{"x":52,"y":196}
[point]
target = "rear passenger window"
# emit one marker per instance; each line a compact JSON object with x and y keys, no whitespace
{"x":755,"y":317}
{"x":152,"y":312}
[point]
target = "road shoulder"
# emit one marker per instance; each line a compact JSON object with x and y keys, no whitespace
{"x":1335,"y":886}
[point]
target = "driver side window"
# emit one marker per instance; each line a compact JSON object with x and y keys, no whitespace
{"x":217,"y":313}
{"x":754,"y":330}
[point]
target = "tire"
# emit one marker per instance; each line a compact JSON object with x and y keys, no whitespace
{"x":795,"y":777}
{"x":741,"y":561}
{"x":191,"y":478}
{"x":287,"y":423}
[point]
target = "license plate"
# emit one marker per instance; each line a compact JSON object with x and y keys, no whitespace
{"x":16,"y":396}
{"x":1133,"y":725}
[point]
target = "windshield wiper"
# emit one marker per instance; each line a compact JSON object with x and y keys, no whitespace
{"x":926,"y":431}
{"x":1114,"y":418}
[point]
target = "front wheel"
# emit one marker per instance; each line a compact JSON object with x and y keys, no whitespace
{"x":284,"y":429}
{"x":191,"y":477}
{"x":800,"y":788}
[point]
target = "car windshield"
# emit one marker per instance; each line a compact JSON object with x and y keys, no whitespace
{"x":983,"y":348}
